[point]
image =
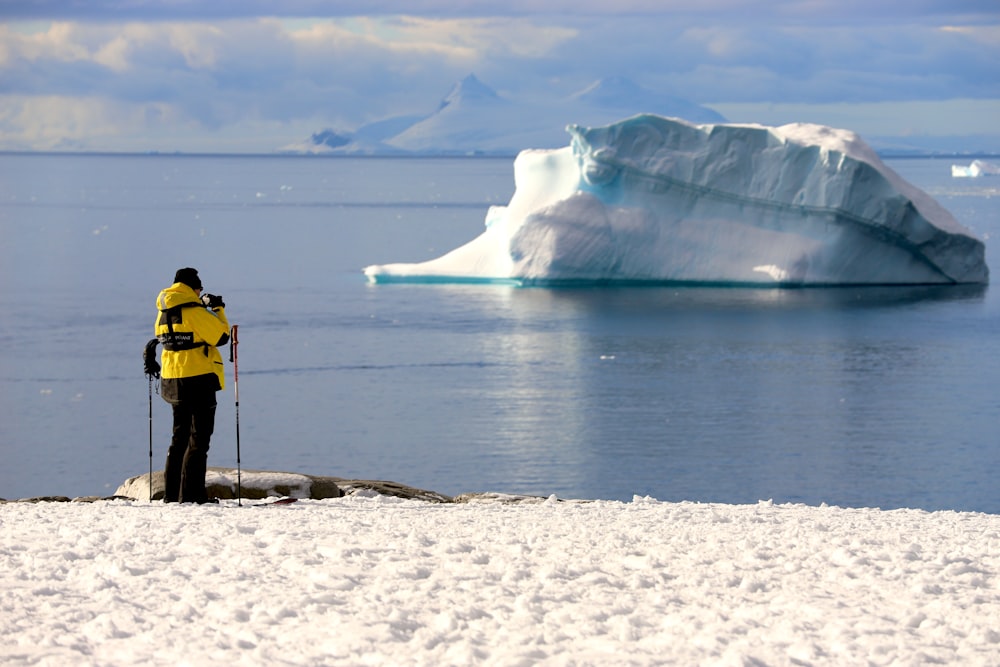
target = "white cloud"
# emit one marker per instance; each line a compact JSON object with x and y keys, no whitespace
{"x":461,"y":42}
{"x":56,"y":42}
{"x":198,"y":43}
{"x":52,"y":122}
{"x":484,"y":37}
{"x":330,"y":38}
{"x":338,"y":66}
{"x":847,"y":11}
{"x":984,"y":37}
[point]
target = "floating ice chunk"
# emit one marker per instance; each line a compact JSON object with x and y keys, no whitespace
{"x":777,"y":273}
{"x":652,"y":199}
{"x":975,"y":169}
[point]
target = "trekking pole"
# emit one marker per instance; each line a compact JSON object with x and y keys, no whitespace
{"x":234,"y":357}
{"x":152,"y":368}
{"x":150,"y":438}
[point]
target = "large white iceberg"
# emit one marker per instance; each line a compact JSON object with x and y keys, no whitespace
{"x":652,"y":199}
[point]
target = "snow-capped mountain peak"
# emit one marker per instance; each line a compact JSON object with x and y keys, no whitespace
{"x":621,"y":93}
{"x":469,"y":90}
{"x":474,"y":119}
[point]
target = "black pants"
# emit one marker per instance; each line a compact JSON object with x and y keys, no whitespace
{"x":187,"y":458}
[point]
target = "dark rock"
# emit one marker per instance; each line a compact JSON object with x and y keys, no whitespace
{"x":45,"y":499}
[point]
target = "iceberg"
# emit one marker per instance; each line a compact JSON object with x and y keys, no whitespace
{"x":975,"y":169}
{"x":655,"y":199}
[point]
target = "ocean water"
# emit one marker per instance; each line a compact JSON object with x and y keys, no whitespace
{"x":876,"y":397}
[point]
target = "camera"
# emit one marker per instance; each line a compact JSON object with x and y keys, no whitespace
{"x":212,"y":301}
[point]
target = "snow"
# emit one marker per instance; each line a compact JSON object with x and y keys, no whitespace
{"x":375,"y":580}
{"x":653,"y":199}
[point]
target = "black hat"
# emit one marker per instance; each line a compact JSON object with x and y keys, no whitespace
{"x":189,"y":277}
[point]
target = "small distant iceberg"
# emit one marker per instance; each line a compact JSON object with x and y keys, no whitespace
{"x":659,"y":200}
{"x":975,"y":169}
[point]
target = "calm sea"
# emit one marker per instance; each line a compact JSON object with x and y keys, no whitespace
{"x":856,"y":397}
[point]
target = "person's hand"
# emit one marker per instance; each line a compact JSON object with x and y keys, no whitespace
{"x":149,"y":361}
{"x":213,"y":301}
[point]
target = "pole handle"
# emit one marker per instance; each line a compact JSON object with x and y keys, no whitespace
{"x":234,"y":356}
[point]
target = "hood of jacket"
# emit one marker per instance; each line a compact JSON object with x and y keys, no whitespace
{"x":175,"y":295}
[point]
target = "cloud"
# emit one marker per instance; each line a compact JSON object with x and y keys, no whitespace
{"x":48,"y":122}
{"x":209,"y":66}
{"x":810,"y":11}
{"x":381,"y":61}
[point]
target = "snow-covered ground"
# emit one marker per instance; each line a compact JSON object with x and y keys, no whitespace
{"x":374,"y":580}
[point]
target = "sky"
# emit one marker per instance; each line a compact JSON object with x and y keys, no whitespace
{"x":254,"y":75}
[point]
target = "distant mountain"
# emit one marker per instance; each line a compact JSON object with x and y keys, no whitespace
{"x":333,"y":142}
{"x":330,"y":139}
{"x":474,"y":119}
{"x":386,"y":128}
{"x":470,"y":119}
{"x":625,"y":96}
{"x":470,"y":91}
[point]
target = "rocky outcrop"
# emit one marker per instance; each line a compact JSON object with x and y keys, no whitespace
{"x":225,"y":484}
{"x":221,"y":483}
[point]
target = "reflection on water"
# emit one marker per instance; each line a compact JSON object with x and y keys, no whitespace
{"x":655,"y":299}
{"x":836,"y":395}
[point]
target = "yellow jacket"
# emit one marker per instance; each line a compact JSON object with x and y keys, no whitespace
{"x":190,"y":344}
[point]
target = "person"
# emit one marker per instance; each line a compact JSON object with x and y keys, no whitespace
{"x":191,"y":327}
